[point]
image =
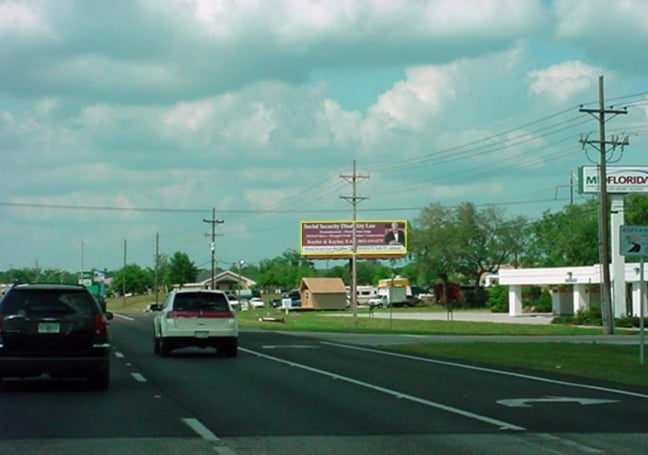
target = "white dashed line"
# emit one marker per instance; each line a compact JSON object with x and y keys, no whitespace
{"x":201,"y":429}
{"x":138,"y":377}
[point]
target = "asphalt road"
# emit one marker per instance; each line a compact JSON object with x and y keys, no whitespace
{"x":291,"y":394}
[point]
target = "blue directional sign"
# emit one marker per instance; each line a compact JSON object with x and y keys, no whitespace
{"x":634,"y":240}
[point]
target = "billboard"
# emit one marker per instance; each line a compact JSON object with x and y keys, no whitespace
{"x":334,"y":239}
{"x":620,"y":179}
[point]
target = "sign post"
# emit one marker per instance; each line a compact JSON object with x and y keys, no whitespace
{"x":634,"y":242}
{"x":642,"y":299}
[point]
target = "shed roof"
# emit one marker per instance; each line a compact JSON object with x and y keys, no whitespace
{"x":324,"y":285}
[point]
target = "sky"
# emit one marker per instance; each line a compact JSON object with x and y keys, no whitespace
{"x":125,"y":126}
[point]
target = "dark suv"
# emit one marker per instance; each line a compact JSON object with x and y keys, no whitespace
{"x":58,"y":329}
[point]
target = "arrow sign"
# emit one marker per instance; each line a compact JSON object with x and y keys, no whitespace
{"x":527,"y":402}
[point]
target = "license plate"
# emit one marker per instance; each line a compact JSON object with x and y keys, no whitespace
{"x":49,"y":327}
{"x":201,"y":334}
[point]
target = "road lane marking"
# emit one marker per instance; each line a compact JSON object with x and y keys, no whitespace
{"x":527,"y":402}
{"x":121,"y":316}
{"x":200,"y":429}
{"x":490,"y":370}
{"x":548,"y":440}
{"x":138,"y":377}
{"x":290,"y":346}
{"x":394,"y":393}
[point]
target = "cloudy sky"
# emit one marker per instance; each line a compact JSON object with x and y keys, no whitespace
{"x":125,"y":120}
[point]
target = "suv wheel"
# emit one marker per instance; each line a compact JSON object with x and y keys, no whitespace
{"x":100,"y":378}
{"x":165,"y":347}
{"x":231,"y":350}
{"x":156,"y":345}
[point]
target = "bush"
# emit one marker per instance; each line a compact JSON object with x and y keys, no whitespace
{"x":582,"y":317}
{"x":629,"y":322}
{"x":543,"y":303}
{"x":498,"y":299}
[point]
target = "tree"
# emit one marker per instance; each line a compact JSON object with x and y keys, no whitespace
{"x":162,"y":264}
{"x":36,"y":274}
{"x":180,"y":269}
{"x":285,"y":271}
{"x":132,"y":279}
{"x":464,"y":241}
{"x":636,"y":209}
{"x":566,"y":238}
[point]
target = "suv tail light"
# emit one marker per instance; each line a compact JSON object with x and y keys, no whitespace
{"x":199,"y":314}
{"x":101,"y":324}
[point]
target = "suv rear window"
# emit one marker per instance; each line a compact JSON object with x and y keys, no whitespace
{"x":38,"y":302}
{"x":200,"y":301}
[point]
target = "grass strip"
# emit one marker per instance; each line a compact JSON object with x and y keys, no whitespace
{"x":606,"y":362}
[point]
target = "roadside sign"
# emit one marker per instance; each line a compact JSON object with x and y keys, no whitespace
{"x":620,"y":179}
{"x":634,"y":241}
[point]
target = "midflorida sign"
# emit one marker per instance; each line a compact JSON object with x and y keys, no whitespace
{"x":620,"y":179}
{"x":334,"y":239}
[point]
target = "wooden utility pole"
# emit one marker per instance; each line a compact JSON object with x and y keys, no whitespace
{"x":124,"y":272}
{"x":213,"y":221}
{"x":157,"y":267}
{"x":604,"y":220}
{"x":354,"y":199}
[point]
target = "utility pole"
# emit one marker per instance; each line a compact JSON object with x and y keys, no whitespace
{"x":124,"y":271}
{"x":213,"y":221}
{"x":604,"y":221}
{"x":354,"y":199}
{"x":81,"y":275}
{"x":157,"y":267}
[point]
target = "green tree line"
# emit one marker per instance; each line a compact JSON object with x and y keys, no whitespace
{"x":463,"y":241}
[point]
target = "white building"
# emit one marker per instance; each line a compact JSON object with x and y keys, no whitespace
{"x":575,"y":288}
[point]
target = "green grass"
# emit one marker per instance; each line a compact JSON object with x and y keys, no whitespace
{"x":613,"y":363}
{"x":329,"y":322}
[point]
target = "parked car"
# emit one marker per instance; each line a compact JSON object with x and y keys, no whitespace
{"x":234,"y":303}
{"x":201,"y":318}
{"x":256,"y":302}
{"x":377,"y":301}
{"x":54,"y":329}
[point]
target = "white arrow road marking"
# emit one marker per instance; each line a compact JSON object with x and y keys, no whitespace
{"x":526,"y":402}
{"x":394,"y":393}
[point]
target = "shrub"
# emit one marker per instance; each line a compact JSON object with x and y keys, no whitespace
{"x":543,"y":303}
{"x":628,"y":322}
{"x":498,"y":299}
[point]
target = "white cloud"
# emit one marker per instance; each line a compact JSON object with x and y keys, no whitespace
{"x":611,"y":33}
{"x":562,"y":81}
{"x":411,"y":102}
{"x":578,"y":18}
{"x":20,"y":17}
{"x":245,"y":105}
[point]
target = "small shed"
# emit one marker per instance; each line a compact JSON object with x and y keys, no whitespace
{"x":322,"y":294}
